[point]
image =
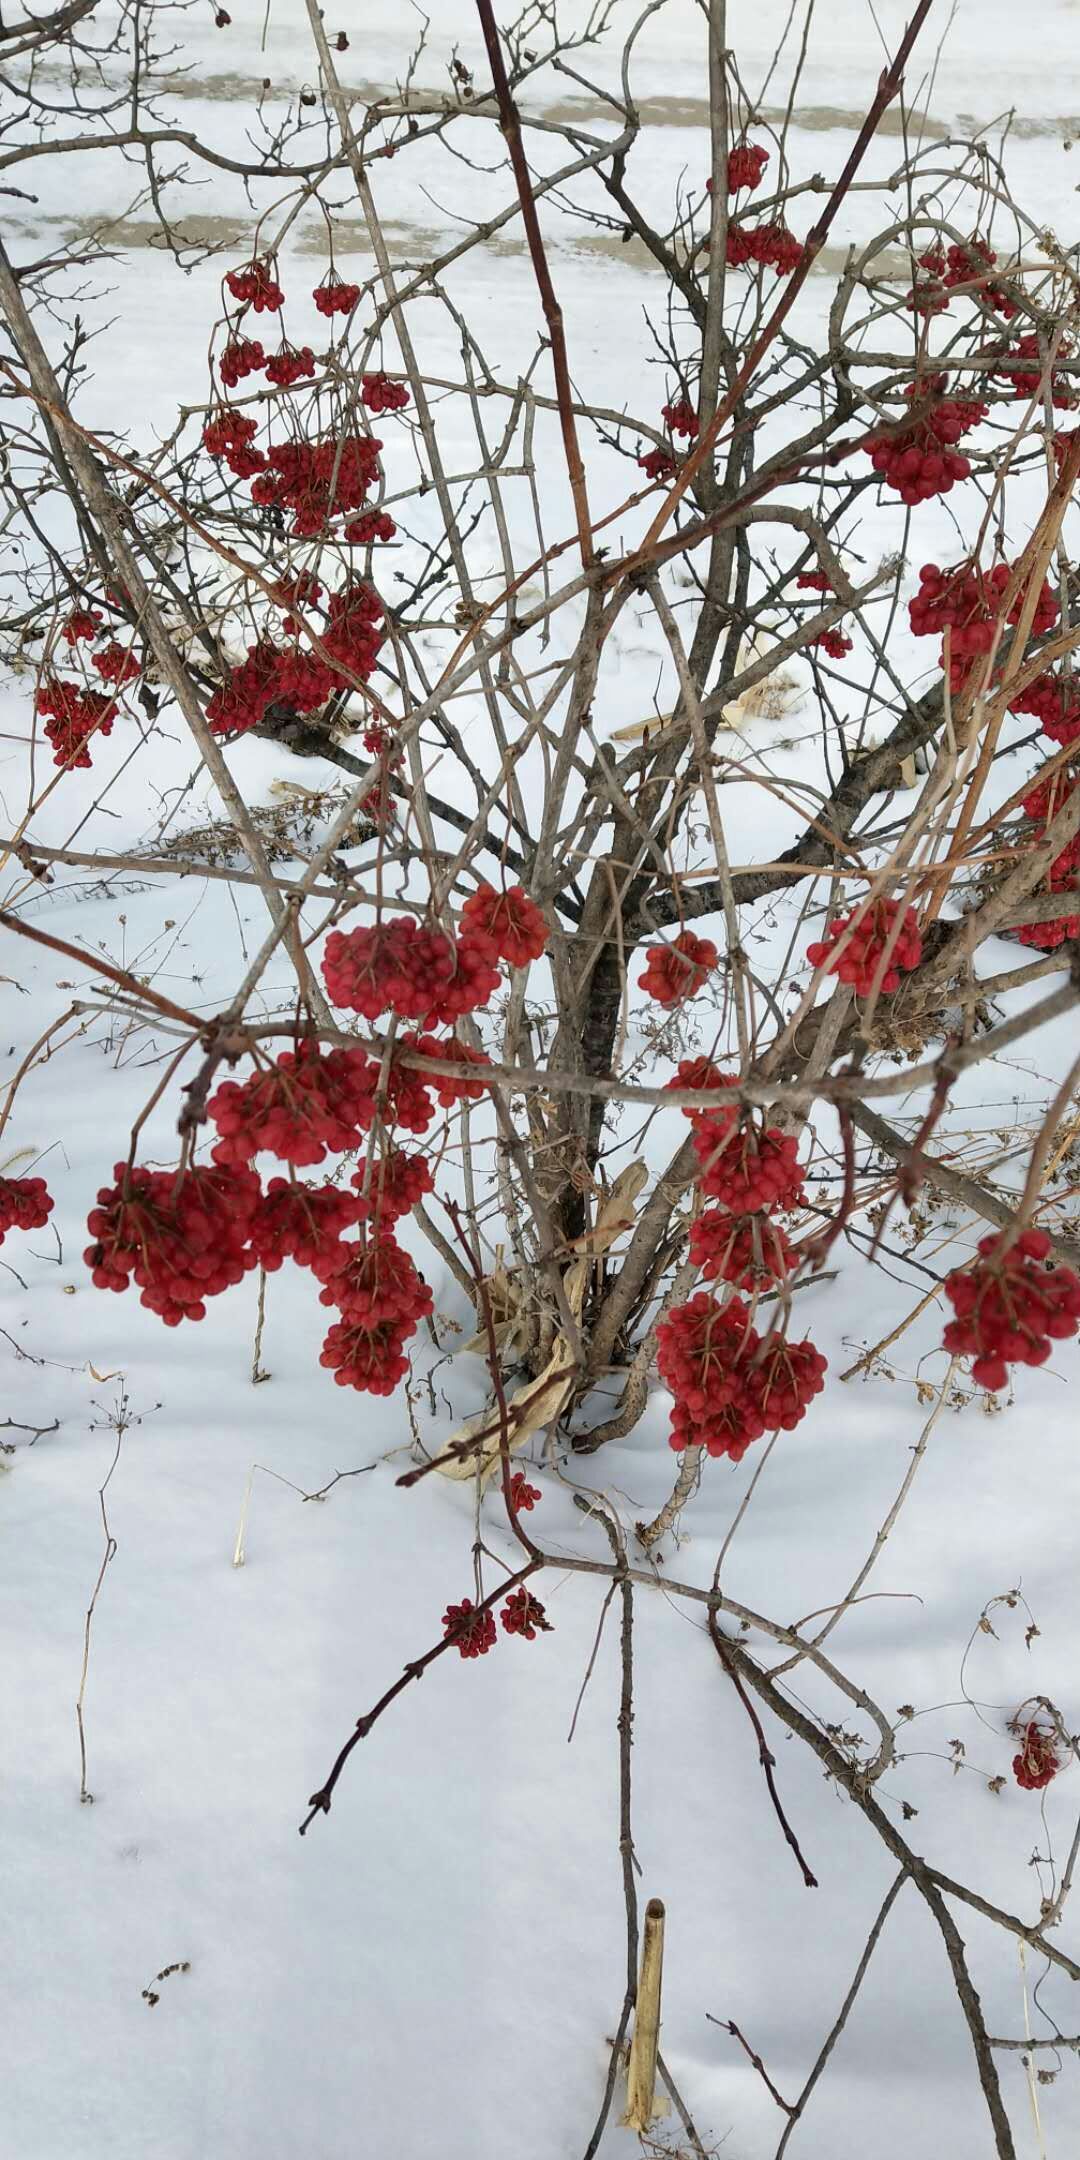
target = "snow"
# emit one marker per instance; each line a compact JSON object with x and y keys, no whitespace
{"x":436,"y":1968}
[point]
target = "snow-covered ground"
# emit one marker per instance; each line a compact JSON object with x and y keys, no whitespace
{"x":437,"y":1967}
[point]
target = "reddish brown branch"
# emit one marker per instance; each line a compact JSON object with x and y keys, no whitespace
{"x":765,"y":1757}
{"x":319,"y":1803}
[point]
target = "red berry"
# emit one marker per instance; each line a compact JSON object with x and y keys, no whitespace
{"x":370,"y":1359}
{"x":399,"y":1181}
{"x":81,"y":624}
{"x":728,"y":1388}
{"x":834,"y":643}
{"x":658,"y":465}
{"x":401,"y":966}
{"x":244,"y":356}
{"x":115,"y":664}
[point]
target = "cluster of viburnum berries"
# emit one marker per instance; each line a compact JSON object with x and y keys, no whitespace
{"x":472,"y":1629}
{"x":73,"y":714}
{"x":730,"y":1383}
{"x":870,"y":947}
{"x":184,"y":1235}
{"x":967,"y":601}
{"x":25,"y":1204}
{"x":919,"y":460}
{"x":350,"y":637}
{"x":771,"y":246}
{"x":1011,"y":1304}
{"x":963,"y":264}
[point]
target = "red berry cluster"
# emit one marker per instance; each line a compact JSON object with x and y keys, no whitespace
{"x":254,"y":286}
{"x":966,"y":263}
{"x":301,"y":1222}
{"x":373,"y":1281}
{"x":747,"y":1250}
{"x":353,"y":632}
{"x":834,"y":643}
{"x":862,"y":962}
{"x":473,"y":1632}
{"x":289,"y":365}
{"x":372,"y":525}
{"x":399,"y":1181}
{"x":699,"y":1073}
{"x":969,"y":600}
{"x":274,"y":675}
{"x":1047,"y":936}
{"x":511,"y":923}
{"x":745,"y":166}
{"x":230,"y":436}
{"x":523,"y":1614}
{"x":72,"y":715}
{"x":772,"y":247}
{"x":317,"y":480}
{"x":380,"y":393}
{"x":334,"y":296}
{"x":1015,"y":367}
{"x":371,"y":1359}
{"x":523,"y":1496}
{"x":116,"y":664}
{"x":1010,"y":1306}
{"x":309,"y":1102}
{"x":1039,"y":1759}
{"x":449,"y":1089}
{"x":243,"y":357}
{"x":401,"y":967}
{"x":25,"y":1204}
{"x":678,"y":971}
{"x":749,"y":1169}
{"x":658,"y":465}
{"x":813,"y":581}
{"x":269,"y":676}
{"x":181,"y":1235}
{"x":729,"y":1387}
{"x":82,"y":625}
{"x":681,"y":418}
{"x":1055,"y":702}
{"x":919,"y":460}
{"x":1042,"y":805}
